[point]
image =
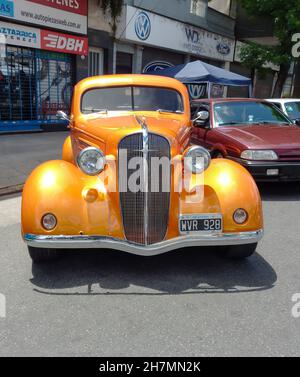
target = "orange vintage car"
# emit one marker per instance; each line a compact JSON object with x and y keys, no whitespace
{"x":130,"y":180}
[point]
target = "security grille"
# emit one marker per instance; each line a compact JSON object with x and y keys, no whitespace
{"x":145,"y":214}
{"x":34,"y":84}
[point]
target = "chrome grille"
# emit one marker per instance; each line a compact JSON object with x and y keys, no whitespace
{"x":145,"y":214}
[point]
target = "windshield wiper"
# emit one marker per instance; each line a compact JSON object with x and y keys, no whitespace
{"x":96,"y":111}
{"x":230,"y":123}
{"x":169,"y":111}
{"x":268,"y":122}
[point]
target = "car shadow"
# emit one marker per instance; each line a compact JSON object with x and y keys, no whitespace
{"x":279,"y":191}
{"x":186,"y":271}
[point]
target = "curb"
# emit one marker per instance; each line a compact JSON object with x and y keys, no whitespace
{"x":11,"y":190}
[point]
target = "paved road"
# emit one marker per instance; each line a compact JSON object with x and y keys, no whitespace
{"x":190,"y":303}
{"x":21,"y":153}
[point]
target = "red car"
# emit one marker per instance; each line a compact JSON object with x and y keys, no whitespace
{"x":252,"y":132}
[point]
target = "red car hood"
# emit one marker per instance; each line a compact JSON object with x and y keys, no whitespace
{"x":263,"y":136}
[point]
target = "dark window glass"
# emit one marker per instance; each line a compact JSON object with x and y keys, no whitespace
{"x":131,"y":98}
{"x":243,"y":113}
{"x":124,"y":63}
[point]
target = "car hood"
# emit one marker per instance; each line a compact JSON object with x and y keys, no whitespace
{"x":263,"y":136}
{"x":109,"y":130}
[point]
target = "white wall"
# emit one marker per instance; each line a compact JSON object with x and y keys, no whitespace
{"x":96,"y":19}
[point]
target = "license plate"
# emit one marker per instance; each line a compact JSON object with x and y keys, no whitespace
{"x":210,"y":223}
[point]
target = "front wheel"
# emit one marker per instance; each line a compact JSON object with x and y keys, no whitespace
{"x":40,"y":255}
{"x":239,"y":251}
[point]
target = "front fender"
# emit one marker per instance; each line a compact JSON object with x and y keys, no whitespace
{"x":227,"y":187}
{"x":59,"y":187}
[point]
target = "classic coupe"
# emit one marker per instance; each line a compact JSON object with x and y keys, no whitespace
{"x":130,"y":180}
{"x":252,"y":132}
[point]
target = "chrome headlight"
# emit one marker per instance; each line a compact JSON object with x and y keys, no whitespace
{"x":196,"y":159}
{"x":91,"y":161}
{"x":259,"y":155}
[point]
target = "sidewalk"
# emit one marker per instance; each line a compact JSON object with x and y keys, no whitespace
{"x":21,"y":153}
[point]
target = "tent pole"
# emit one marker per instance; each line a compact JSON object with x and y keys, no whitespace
{"x":209,"y":90}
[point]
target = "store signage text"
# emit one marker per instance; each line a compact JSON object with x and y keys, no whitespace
{"x":66,"y":15}
{"x":155,"y":30}
{"x":74,"y":6}
{"x":6,"y":8}
{"x":63,"y":42}
{"x":19,"y":35}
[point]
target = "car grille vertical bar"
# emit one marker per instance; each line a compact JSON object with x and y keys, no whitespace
{"x":145,"y":214}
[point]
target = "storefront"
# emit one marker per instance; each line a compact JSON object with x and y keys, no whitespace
{"x":37,"y":69}
{"x":165,"y":42}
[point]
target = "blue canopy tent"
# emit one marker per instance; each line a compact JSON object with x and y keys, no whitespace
{"x":198,"y":72}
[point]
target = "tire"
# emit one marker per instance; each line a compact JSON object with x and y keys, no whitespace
{"x":240,"y":251}
{"x":40,"y":255}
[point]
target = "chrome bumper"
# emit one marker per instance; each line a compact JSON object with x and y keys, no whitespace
{"x":100,"y":242}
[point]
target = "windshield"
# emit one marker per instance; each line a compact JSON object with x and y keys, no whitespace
{"x":293,"y":109}
{"x":245,"y":113}
{"x":130,"y":98}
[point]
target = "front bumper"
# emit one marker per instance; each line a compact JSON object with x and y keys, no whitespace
{"x":98,"y":242}
{"x":288,"y":171}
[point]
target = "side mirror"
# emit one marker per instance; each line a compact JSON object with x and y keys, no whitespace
{"x":202,"y":118}
{"x":62,"y":116}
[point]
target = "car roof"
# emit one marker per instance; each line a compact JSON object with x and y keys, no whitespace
{"x":216,"y":100}
{"x":283,"y":100}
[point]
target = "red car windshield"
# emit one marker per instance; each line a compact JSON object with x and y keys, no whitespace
{"x":247,"y":112}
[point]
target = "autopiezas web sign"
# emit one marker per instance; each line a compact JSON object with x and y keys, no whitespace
{"x":67,"y":15}
{"x":19,"y":35}
{"x":148,"y":28}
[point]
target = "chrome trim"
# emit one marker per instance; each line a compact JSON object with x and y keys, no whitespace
{"x":266,"y":164}
{"x":191,"y":149}
{"x":145,"y":133}
{"x":102,"y":242}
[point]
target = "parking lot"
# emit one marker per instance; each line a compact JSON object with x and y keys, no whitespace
{"x":187,"y":303}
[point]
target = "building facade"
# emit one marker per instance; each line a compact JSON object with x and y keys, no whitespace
{"x":46,"y":46}
{"x":40,"y":42}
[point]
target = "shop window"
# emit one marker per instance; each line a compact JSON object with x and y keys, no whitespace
{"x":96,"y":58}
{"x":34,"y":85}
{"x":54,"y":84}
{"x":17,"y":85}
{"x":124,"y":62}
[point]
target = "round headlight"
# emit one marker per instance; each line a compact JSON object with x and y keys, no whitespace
{"x":240,"y":216}
{"x":91,"y":161}
{"x":196,"y":159}
{"x":49,"y":221}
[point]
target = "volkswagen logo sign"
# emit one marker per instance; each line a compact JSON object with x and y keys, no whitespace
{"x":223,"y":48}
{"x":197,"y":91}
{"x":142,"y":26}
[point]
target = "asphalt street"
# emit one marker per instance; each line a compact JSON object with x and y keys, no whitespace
{"x":188,"y":303}
{"x":21,"y":153}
